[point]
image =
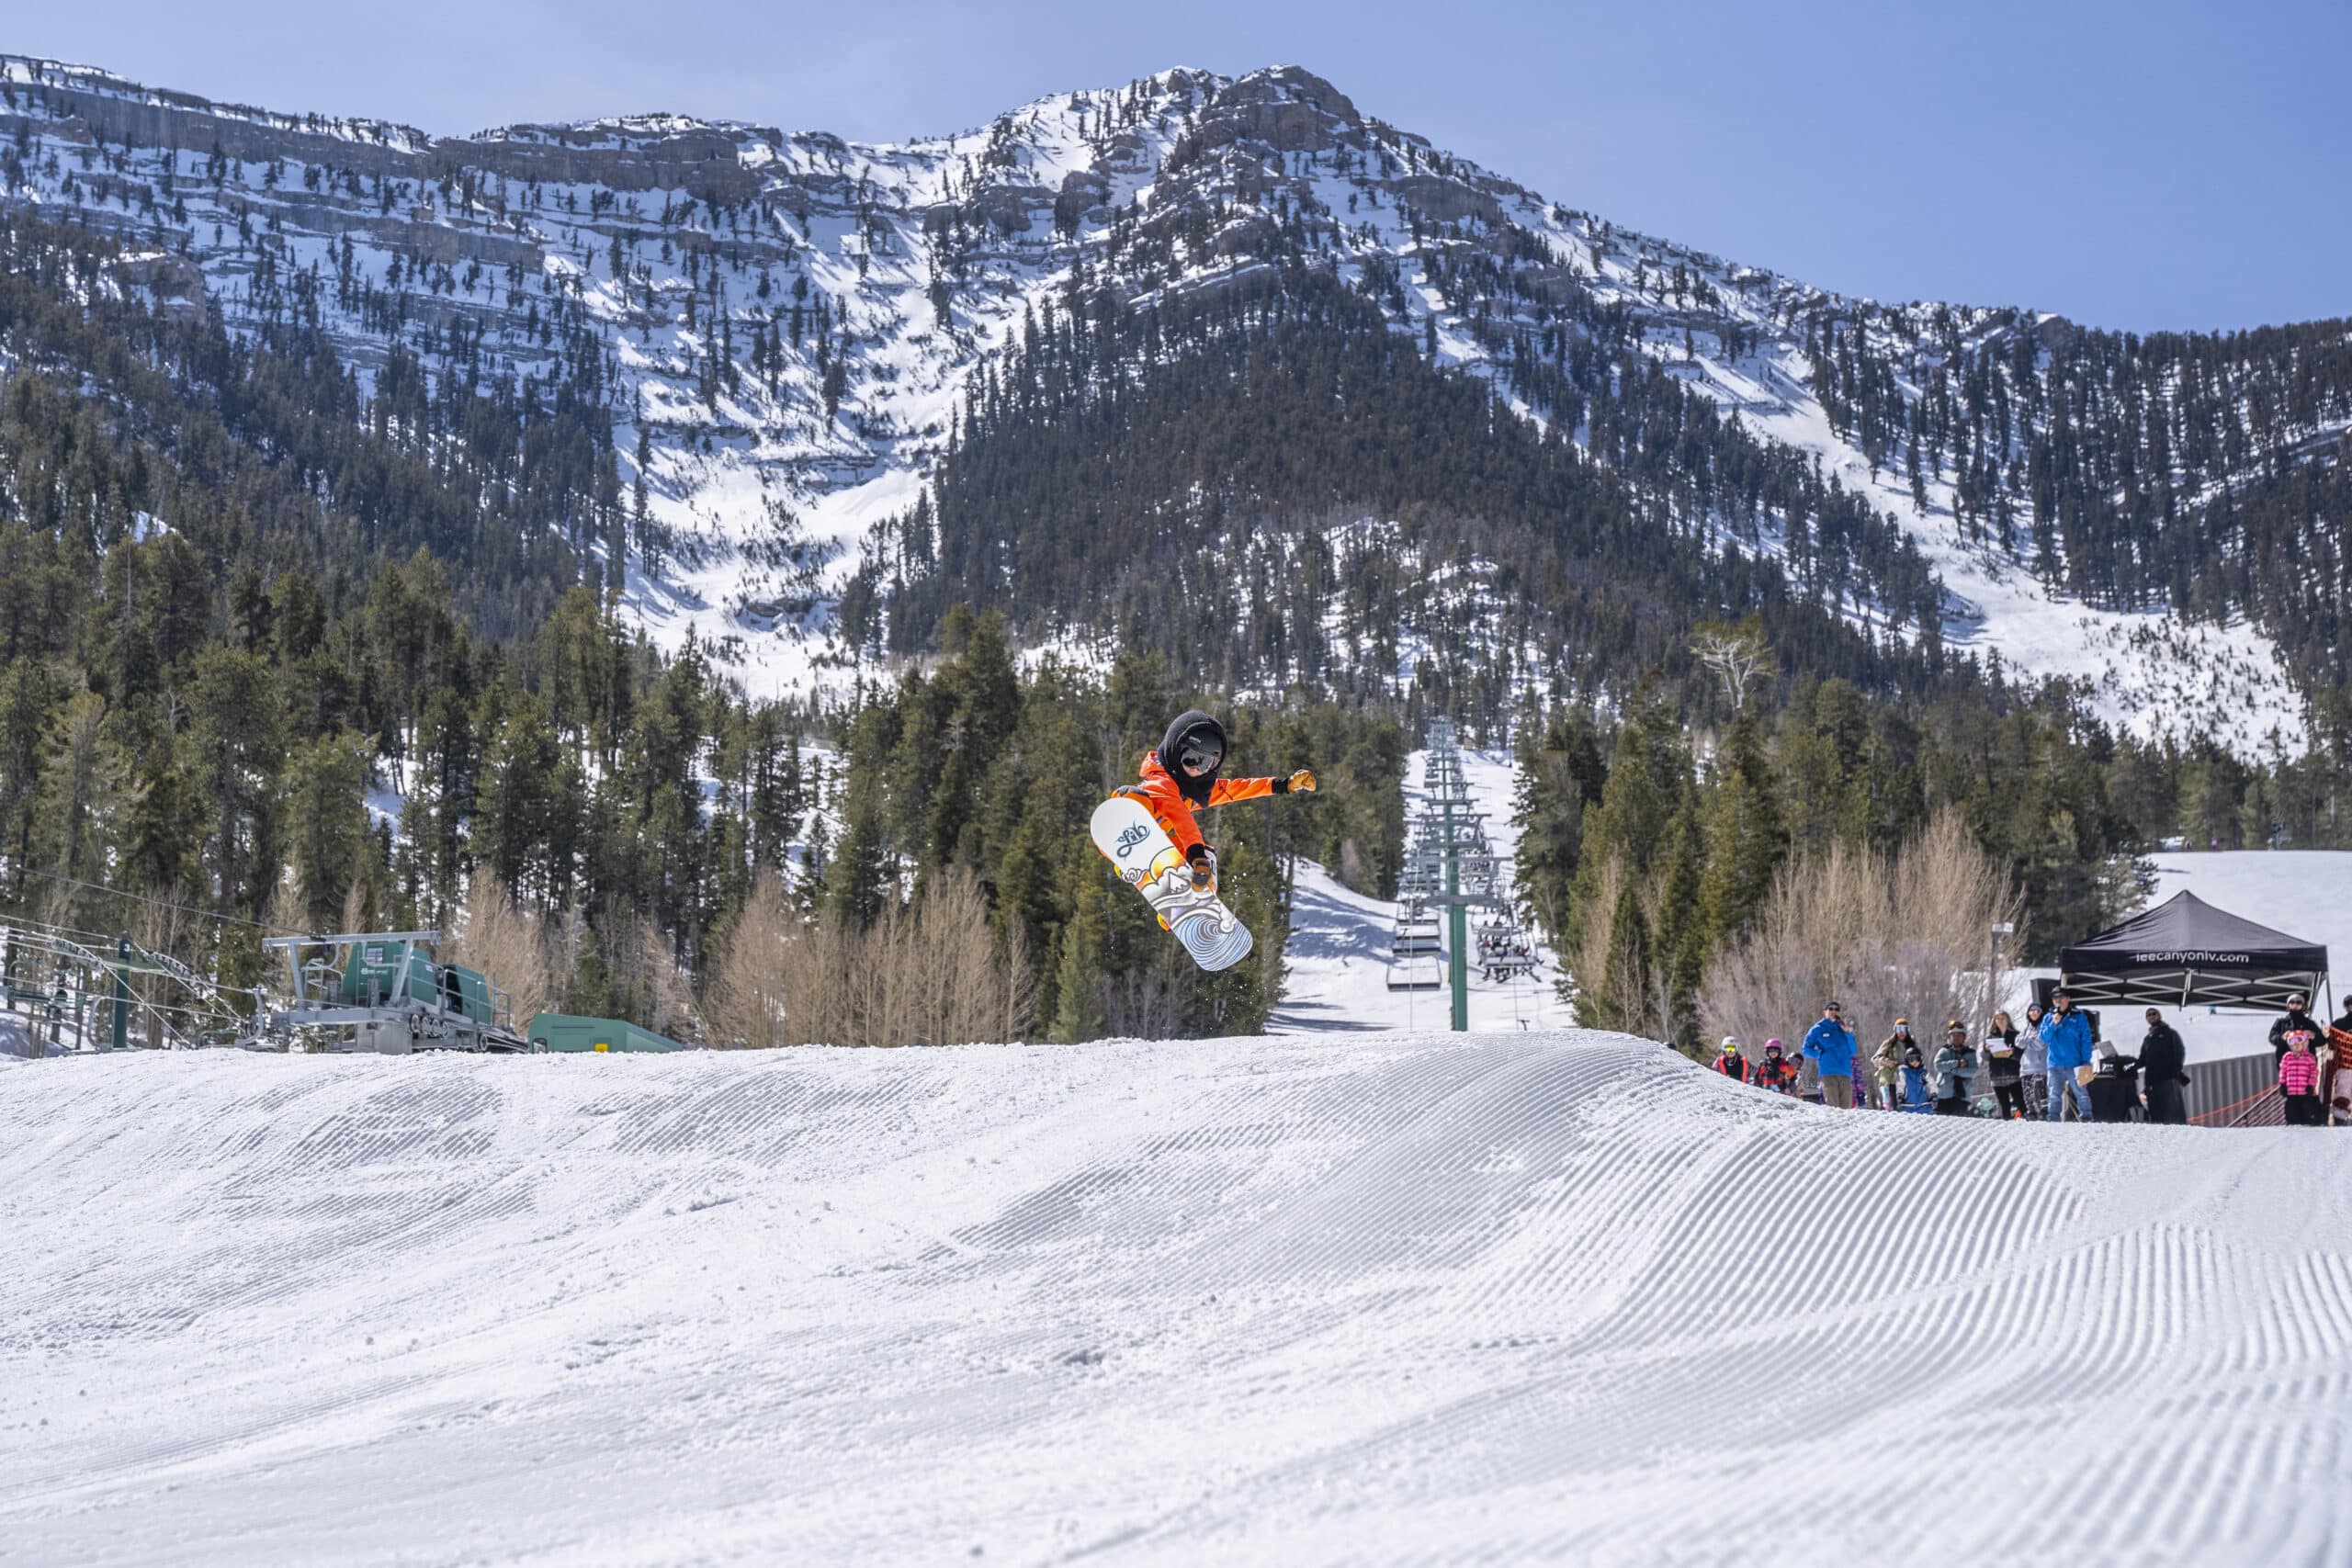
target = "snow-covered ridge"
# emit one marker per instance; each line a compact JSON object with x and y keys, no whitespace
{"x":796,"y":318}
{"x":16,"y":69}
{"x":1371,"y":1299}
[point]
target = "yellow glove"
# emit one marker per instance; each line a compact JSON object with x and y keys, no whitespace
{"x":1302,"y":783}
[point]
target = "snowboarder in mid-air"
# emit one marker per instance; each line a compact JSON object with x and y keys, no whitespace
{"x":1181,"y":778}
{"x":1146,"y":830}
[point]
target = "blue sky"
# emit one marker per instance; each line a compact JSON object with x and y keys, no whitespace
{"x":2146,"y":165}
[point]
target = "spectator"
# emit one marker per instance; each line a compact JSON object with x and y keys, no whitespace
{"x":1888,"y":1060}
{"x":2299,"y":1081}
{"x":2295,"y":1017}
{"x":1955,"y":1077}
{"x":1915,"y":1083}
{"x":1776,"y":1072}
{"x":2066,"y":1035}
{"x":2335,"y":1067}
{"x":2164,"y":1059}
{"x":2005,"y":1066}
{"x":1829,"y":1047}
{"x":2115,"y":1086}
{"x":1731,"y":1061}
{"x":2033,"y":1060}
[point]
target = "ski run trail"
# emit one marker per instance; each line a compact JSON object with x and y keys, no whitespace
{"x":1336,"y":966}
{"x":1331,"y":1299}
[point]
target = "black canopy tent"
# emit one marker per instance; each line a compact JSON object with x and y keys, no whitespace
{"x":2185,"y":952}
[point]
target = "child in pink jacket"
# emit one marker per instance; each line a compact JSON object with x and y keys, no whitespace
{"x":2299,"y":1081}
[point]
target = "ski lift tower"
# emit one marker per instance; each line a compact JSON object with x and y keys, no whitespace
{"x":83,"y":981}
{"x":1450,"y":864}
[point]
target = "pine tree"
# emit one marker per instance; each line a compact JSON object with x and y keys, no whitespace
{"x":1078,"y":965}
{"x":1745,"y":840}
{"x":1648,"y":772}
{"x":1560,"y":776}
{"x":1678,"y":924}
{"x":235,"y":747}
{"x":83,"y":780}
{"x":861,"y":881}
{"x":164,"y":831}
{"x":326,"y":783}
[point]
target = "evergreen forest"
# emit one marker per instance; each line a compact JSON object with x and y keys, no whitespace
{"x":279,"y":654}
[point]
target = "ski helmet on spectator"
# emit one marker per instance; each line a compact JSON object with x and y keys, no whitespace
{"x":1771,"y":1045}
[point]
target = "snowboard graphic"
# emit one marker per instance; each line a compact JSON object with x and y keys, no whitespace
{"x":1142,"y":853}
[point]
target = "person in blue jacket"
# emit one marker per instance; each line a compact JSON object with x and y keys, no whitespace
{"x":1831,"y":1045}
{"x":2066,"y":1034}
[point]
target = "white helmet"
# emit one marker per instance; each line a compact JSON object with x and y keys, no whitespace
{"x":1731,"y":1042}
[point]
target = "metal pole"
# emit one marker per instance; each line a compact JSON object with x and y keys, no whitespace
{"x":122,"y":993}
{"x":1457,"y":926}
{"x":1457,"y":921}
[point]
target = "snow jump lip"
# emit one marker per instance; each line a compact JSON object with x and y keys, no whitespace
{"x":1386,"y":1298}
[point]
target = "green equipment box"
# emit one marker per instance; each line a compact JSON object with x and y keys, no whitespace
{"x":563,"y":1032}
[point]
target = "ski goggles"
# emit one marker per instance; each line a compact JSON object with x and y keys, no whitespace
{"x":1200,"y":755}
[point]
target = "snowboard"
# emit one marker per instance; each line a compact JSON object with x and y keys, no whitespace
{"x":1140,"y":850}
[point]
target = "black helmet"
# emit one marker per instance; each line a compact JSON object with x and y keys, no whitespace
{"x":1196,"y":739}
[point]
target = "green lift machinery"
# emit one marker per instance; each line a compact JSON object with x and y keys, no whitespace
{"x":382,"y":992}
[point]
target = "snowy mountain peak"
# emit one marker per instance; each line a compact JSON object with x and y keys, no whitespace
{"x":785,"y":326}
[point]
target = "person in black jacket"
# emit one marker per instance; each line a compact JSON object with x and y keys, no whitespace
{"x":2297,"y":1016}
{"x":2005,"y":1064}
{"x":2115,"y":1087}
{"x":2163,"y":1063}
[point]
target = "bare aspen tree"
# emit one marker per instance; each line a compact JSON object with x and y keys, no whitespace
{"x":929,"y":974}
{"x":508,"y":943}
{"x":1738,"y":655}
{"x":1899,"y":936}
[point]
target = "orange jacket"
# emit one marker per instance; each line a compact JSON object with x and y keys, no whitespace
{"x":1174,"y":813}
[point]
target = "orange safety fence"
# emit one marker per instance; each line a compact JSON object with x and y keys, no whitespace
{"x":2261,"y":1109}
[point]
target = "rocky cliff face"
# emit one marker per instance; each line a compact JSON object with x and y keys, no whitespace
{"x":783,"y":324}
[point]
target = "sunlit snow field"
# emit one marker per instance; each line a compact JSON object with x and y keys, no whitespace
{"x":1348,"y":1295}
{"x":1325,"y":1299}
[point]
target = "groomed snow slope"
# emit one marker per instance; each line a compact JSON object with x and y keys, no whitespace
{"x":1345,"y":1300}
